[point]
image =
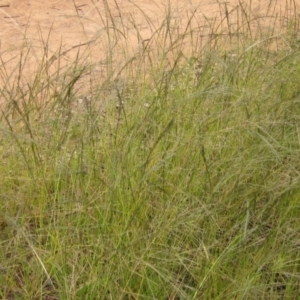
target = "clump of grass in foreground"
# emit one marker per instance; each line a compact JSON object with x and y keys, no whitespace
{"x":189,"y":189}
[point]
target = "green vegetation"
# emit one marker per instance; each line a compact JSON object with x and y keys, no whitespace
{"x":176,"y":177}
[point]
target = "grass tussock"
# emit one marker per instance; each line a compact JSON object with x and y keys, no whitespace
{"x":174,"y":175}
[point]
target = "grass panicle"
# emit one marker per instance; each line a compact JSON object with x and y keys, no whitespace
{"x":170,"y":171}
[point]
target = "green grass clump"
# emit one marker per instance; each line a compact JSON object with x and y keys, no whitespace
{"x":177,"y":177}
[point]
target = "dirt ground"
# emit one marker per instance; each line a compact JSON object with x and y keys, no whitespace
{"x":72,"y":25}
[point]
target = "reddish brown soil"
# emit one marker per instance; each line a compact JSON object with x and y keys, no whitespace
{"x":73,"y":25}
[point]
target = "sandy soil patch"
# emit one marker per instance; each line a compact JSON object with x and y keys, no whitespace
{"x":113,"y":29}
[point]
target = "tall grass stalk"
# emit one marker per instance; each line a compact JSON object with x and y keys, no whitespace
{"x":171,"y":172}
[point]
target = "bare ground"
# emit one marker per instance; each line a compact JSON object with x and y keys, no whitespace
{"x":114,"y":29}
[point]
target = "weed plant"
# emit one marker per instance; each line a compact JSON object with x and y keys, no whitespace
{"x":174,"y":177}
